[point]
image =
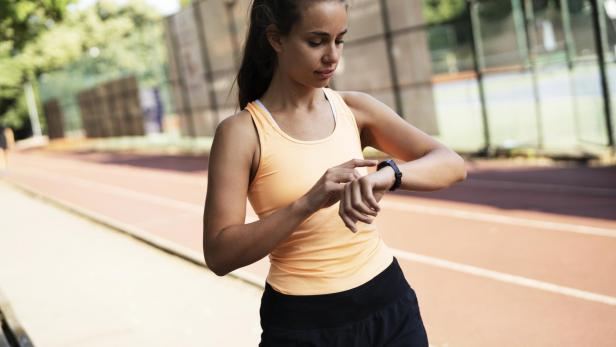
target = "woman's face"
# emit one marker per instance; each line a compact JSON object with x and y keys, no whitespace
{"x":312,"y":50}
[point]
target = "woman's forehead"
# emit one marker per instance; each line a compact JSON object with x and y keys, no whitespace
{"x":323,"y":16}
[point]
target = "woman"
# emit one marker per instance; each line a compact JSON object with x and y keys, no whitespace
{"x":295,"y":150}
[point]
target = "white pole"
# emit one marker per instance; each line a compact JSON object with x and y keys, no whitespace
{"x":32,"y":110}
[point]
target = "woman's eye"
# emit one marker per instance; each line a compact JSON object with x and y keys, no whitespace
{"x":315,"y":44}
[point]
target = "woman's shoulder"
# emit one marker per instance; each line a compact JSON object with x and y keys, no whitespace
{"x":355,"y":99}
{"x":237,"y":125}
{"x":359,"y":103}
{"x":237,"y":131}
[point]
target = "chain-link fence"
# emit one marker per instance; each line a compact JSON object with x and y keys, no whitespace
{"x":479,"y":75}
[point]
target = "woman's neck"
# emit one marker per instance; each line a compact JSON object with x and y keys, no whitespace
{"x":284,"y":94}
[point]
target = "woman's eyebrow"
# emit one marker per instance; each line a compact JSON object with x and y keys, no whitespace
{"x":323,"y":33}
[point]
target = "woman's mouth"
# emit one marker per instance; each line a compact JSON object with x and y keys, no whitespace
{"x":324,"y":74}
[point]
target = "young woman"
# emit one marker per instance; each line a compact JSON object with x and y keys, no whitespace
{"x":295,"y":150}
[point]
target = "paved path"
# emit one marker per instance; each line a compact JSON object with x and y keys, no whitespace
{"x":515,"y":256}
{"x":72,"y":282}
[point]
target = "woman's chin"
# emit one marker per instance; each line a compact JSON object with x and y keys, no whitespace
{"x":320,"y":83}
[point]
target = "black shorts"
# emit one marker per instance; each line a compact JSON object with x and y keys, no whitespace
{"x":381,"y":312}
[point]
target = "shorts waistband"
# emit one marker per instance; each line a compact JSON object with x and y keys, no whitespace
{"x":330,"y":310}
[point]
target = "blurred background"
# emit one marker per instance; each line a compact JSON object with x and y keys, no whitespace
{"x":484,"y":77}
{"x":108,"y":110}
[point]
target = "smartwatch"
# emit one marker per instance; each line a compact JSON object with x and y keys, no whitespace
{"x":397,"y":173}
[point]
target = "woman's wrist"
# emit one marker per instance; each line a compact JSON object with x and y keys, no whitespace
{"x":303,"y":206}
{"x":387,"y":177}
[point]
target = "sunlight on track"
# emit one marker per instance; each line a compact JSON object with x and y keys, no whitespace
{"x":503,"y":277}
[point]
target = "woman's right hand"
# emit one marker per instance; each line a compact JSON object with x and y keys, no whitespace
{"x":326,"y":191}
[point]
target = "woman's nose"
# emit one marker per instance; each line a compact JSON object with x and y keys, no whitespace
{"x":332,"y":55}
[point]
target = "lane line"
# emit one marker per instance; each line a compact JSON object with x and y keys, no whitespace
{"x":34,"y":159}
{"x":507,"y":278}
{"x":432,"y":210}
{"x":88,"y":168}
{"x":124,"y":192}
{"x":469,"y":269}
{"x":492,"y":218}
{"x":478,"y":216}
{"x":106,"y":188}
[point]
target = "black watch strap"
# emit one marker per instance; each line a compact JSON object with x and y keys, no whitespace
{"x":397,"y":173}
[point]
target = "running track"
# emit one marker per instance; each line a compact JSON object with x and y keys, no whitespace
{"x":514,"y":256}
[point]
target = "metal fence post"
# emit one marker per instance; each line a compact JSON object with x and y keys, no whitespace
{"x":600,"y":40}
{"x":393,"y":71}
{"x":205,"y":60}
{"x":235,"y":42}
{"x":529,"y":18}
{"x":186,"y":106}
{"x":478,"y":65}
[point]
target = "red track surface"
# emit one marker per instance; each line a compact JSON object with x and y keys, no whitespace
{"x":514,"y":256}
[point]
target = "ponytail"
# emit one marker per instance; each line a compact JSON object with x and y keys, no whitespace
{"x":259,"y":60}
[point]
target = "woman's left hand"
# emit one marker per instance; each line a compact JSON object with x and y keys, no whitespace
{"x":359,"y":200}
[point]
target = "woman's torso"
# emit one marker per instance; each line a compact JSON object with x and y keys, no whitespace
{"x":321,"y":256}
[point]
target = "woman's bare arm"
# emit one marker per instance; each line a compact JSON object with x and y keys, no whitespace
{"x":228,"y":243}
{"x":429,"y":165}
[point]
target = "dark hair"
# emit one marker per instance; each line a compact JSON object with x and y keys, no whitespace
{"x":259,"y":60}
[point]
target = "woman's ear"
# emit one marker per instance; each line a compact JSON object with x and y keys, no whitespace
{"x":274,"y":38}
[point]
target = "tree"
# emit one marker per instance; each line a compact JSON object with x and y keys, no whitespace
{"x":118,"y":41}
{"x":95,"y":41}
{"x":22,"y":21}
{"x":437,"y":11}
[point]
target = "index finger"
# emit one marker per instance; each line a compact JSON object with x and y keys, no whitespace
{"x":359,"y":163}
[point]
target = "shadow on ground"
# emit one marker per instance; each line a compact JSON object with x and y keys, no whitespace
{"x":576,"y":191}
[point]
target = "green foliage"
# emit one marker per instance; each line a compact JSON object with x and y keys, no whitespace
{"x":23,"y":20}
{"x":16,"y":116}
{"x":73,"y":49}
{"x":437,"y":11}
{"x":21,"y":23}
{"x":11,"y":68}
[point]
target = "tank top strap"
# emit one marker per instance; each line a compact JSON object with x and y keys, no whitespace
{"x":342,"y":109}
{"x":265,"y":129}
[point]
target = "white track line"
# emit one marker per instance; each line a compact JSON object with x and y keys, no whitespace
{"x":503,"y":277}
{"x":453,"y":213}
{"x":88,"y":168}
{"x":493,"y":218}
{"x":469,"y":269}
{"x":124,"y":192}
{"x":440,"y":211}
{"x":432,"y":210}
{"x":107,"y":188}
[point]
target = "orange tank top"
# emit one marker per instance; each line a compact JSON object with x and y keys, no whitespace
{"x":321,"y":256}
